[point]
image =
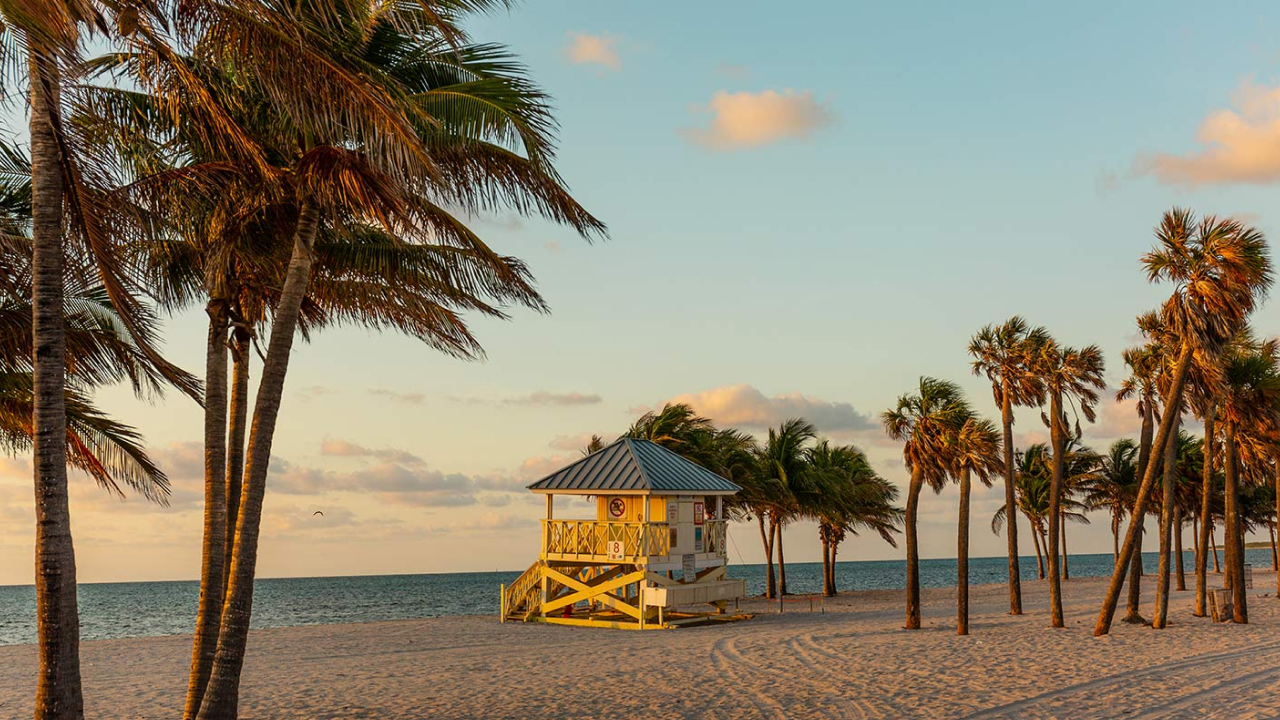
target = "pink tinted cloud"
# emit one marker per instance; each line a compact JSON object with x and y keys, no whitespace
{"x":746,"y":120}
{"x":1240,"y":145}
{"x":745,"y":406}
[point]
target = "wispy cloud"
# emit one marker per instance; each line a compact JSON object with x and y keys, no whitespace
{"x":747,"y":120}
{"x":585,"y":49}
{"x":1240,"y":145}
{"x":346,"y":448}
{"x":409,"y":398}
{"x":554,"y":399}
{"x":539,"y":398}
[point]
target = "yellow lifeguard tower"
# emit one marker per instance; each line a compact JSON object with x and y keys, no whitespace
{"x":657,"y":543}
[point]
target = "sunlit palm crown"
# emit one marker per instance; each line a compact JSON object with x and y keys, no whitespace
{"x":921,"y":421}
{"x":975,"y":447}
{"x":1002,"y":353}
{"x":1076,"y":374}
{"x":1220,"y":268}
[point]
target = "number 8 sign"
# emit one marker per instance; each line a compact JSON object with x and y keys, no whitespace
{"x":616,"y":549}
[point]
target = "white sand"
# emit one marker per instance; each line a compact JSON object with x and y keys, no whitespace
{"x":852,"y":662}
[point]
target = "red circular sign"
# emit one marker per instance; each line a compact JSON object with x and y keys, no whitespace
{"x":617,"y":508}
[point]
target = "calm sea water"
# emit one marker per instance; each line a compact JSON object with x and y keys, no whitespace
{"x":118,"y":610}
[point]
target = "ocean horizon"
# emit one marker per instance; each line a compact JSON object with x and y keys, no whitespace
{"x":112,"y":610}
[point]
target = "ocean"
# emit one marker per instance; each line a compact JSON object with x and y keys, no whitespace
{"x":143,"y":609}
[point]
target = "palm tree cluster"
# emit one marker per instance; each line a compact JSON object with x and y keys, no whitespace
{"x":790,"y":475}
{"x":286,"y":167}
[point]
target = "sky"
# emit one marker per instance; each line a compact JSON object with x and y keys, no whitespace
{"x":808,"y":209}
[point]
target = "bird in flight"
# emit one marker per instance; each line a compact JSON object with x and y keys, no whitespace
{"x":317,"y":513}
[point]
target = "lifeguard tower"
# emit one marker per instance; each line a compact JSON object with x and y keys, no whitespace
{"x":657,"y":543}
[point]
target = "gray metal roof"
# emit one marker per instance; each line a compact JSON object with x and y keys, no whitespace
{"x":634,"y":467}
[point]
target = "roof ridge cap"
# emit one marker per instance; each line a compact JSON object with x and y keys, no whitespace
{"x":631,"y":450}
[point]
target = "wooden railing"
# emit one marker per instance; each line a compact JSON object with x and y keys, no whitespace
{"x":594,"y":541}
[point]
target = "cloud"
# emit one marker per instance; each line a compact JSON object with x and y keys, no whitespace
{"x":747,"y":120}
{"x":395,"y":483}
{"x":554,"y":399}
{"x":311,"y":392}
{"x":409,"y":398}
{"x":743,"y":405}
{"x":539,"y":398}
{"x":345,"y":448}
{"x":1239,"y":145}
{"x":584,"y":49}
{"x":1116,"y":419}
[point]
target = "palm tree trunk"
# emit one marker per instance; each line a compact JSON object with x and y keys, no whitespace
{"x":221,"y":698}
{"x":1133,"y":608}
{"x":1232,"y":537}
{"x":835,"y":546}
{"x":1273,"y":535}
{"x":1011,"y":527}
{"x":1275,"y":558}
{"x":1173,"y":400}
{"x":782,"y":561}
{"x":1217,"y":568}
{"x":1205,"y":516}
{"x":1160,"y":618}
{"x":58,"y":691}
{"x":1066,"y":573}
{"x":1035,"y":540}
{"x":913,"y":550}
{"x":1177,"y":548}
{"x":766,"y":537}
{"x":962,"y":559}
{"x":1058,"y":434}
{"x":239,"y":412}
{"x":1115,"y":537}
{"x":826,"y":565}
{"x":212,"y":571}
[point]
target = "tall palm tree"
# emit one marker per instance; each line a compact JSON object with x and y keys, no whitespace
{"x":1002,"y":353}
{"x":1220,"y":269}
{"x":371,"y":124}
{"x":1141,"y":384}
{"x":1250,"y":403}
{"x":921,"y":420}
{"x":1072,"y":377}
{"x":973,"y":449}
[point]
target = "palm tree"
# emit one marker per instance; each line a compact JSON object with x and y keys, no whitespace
{"x":1031,"y":485}
{"x":784,"y":459}
{"x":1112,"y":488}
{"x":921,"y":421}
{"x":380,"y":129}
{"x":1250,"y":404}
{"x":1001,"y":353}
{"x":1071,"y":377}
{"x":677,"y":428}
{"x":1220,"y":268}
{"x":850,"y":497}
{"x":1144,"y":368}
{"x":973,"y":449}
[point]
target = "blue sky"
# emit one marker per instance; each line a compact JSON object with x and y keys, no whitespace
{"x":809,"y":208}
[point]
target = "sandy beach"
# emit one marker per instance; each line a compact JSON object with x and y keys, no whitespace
{"x":854,"y":661}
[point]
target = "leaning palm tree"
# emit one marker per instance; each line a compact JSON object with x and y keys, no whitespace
{"x":1220,"y":270}
{"x":370,"y":124}
{"x":972,"y":449}
{"x":850,"y":497}
{"x":1144,"y":364}
{"x":921,"y":421}
{"x":1001,"y":353}
{"x":1072,"y":377}
{"x":677,"y":428}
